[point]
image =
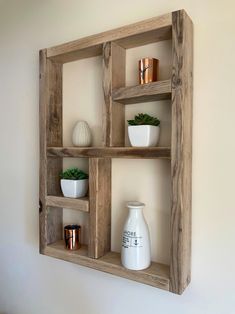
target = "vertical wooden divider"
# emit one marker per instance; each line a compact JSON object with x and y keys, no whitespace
{"x":114,"y":74}
{"x":50,"y":112}
{"x":100,"y":206}
{"x":100,"y":171}
{"x":181,"y":151}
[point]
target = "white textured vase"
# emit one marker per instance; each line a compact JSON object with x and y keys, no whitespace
{"x":136,"y":253}
{"x":81,"y":134}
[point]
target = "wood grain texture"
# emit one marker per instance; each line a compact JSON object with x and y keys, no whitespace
{"x":43,"y":77}
{"x":143,"y":93}
{"x":157,"y":275}
{"x":107,"y":91}
{"x":50,"y":112}
{"x":100,"y":206}
{"x":114,"y":71}
{"x":181,"y":159}
{"x":54,"y":137}
{"x":137,"y":34}
{"x":80,"y":204}
{"x":110,"y":152}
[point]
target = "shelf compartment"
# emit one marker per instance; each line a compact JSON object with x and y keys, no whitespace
{"x":81,"y":204}
{"x":156,"y":275}
{"x":110,"y":152}
{"x":160,"y":90}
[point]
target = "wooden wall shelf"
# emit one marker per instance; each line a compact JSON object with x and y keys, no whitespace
{"x":81,"y":204}
{"x":143,"y":93}
{"x":111,"y":46}
{"x":110,"y":152}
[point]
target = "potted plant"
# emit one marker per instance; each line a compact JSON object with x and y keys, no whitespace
{"x":74,"y":183}
{"x":144,"y":130}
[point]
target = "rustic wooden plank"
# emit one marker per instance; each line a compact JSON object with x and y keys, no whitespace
{"x":43,"y":154}
{"x":137,"y":34}
{"x":118,"y":57}
{"x":114,"y":71}
{"x":76,"y":55}
{"x":157,"y":275}
{"x":81,"y":204}
{"x":143,"y":93}
{"x":50,"y":109}
{"x":110,"y":152}
{"x":100,"y":206}
{"x":55,"y":138}
{"x":181,"y":154}
{"x":107,"y":90}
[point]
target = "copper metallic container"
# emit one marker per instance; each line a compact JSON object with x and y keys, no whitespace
{"x":148,"y":70}
{"x":72,"y":237}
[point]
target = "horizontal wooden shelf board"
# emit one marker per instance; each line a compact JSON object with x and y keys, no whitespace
{"x":110,"y":152}
{"x":81,"y":204}
{"x":143,"y":93}
{"x":156,"y":275}
{"x":137,"y":34}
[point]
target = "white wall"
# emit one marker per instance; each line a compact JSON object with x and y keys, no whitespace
{"x":32,"y":283}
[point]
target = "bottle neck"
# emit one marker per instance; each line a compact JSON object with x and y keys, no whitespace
{"x":135,"y":212}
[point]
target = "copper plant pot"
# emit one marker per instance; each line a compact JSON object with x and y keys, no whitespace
{"x":72,"y":237}
{"x":148,"y":70}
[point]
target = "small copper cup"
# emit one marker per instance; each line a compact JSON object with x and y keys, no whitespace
{"x":148,"y":70}
{"x":72,"y":237}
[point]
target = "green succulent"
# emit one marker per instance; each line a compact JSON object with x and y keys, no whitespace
{"x":74,"y":174}
{"x":144,"y":119}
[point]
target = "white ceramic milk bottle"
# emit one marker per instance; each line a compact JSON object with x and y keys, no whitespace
{"x":135,"y":239}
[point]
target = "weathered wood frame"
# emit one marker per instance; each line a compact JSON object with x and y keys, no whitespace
{"x":112,"y":45}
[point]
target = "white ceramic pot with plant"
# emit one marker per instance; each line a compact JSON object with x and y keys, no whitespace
{"x":74,"y":183}
{"x":144,"y":130}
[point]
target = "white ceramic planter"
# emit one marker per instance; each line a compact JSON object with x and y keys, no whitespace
{"x":74,"y":188}
{"x":136,"y":253}
{"x":143,"y":135}
{"x":81,"y":134}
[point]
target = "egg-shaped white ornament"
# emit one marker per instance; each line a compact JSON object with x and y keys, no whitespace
{"x":81,"y":134}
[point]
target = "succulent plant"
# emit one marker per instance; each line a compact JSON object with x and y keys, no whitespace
{"x":74,"y":174}
{"x":144,"y":119}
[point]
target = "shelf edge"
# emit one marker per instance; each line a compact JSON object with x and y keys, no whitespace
{"x":109,"y":264}
{"x":110,"y":152}
{"x":81,"y":204}
{"x":160,"y":90}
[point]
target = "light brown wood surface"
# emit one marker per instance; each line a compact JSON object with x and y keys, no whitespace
{"x":157,"y":275}
{"x":81,"y":204}
{"x":137,"y":34}
{"x":110,"y":152}
{"x":100,"y":206}
{"x":143,"y":93}
{"x":43,"y":144}
{"x":54,"y":137}
{"x":50,"y":109}
{"x":181,"y":151}
{"x":114,"y":71}
{"x":107,"y":90}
